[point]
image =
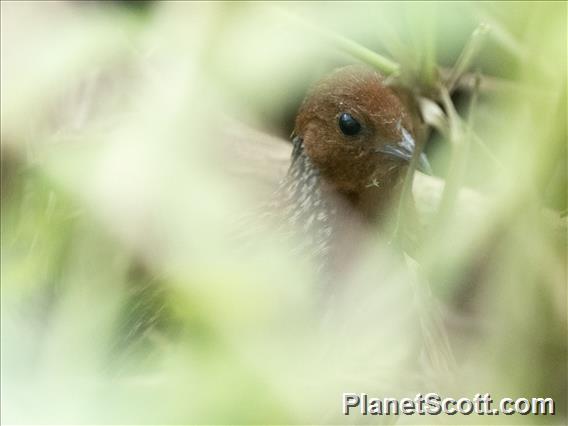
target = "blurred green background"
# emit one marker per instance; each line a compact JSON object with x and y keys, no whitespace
{"x":122,"y":301}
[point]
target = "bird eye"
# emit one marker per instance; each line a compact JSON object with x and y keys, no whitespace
{"x":348,"y":125}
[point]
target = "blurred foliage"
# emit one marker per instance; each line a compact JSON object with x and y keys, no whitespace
{"x":122,"y":298}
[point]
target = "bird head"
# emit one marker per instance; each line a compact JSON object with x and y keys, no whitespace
{"x":355,"y":129}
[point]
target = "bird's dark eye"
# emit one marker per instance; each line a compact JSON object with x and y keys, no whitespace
{"x":348,"y":125}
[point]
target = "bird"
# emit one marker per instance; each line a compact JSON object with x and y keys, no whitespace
{"x":353,"y":139}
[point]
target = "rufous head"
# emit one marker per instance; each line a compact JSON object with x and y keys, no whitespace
{"x":355,"y":129}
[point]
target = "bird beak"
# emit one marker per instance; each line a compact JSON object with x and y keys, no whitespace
{"x":404,"y":150}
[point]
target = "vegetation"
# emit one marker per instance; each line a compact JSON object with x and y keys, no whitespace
{"x":122,"y":298}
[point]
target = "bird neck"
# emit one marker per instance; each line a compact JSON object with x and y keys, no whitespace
{"x":368,"y":203}
{"x":373,"y":202}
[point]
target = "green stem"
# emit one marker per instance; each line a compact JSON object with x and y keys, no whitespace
{"x":460,"y":148}
{"x":468,"y":53}
{"x":382,"y":63}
